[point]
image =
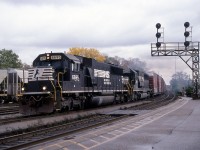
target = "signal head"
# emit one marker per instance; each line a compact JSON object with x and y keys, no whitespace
{"x":186,"y":43}
{"x":186,"y":24}
{"x":186,"y":34}
{"x":158,"y":34}
{"x":158,"y":44}
{"x":158,"y":25}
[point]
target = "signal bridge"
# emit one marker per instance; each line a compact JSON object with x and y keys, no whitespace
{"x":188,"y":51}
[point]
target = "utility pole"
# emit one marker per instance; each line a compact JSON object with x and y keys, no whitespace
{"x":188,"y":51}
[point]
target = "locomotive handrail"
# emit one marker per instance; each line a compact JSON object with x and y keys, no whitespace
{"x":54,"y":89}
{"x":132,"y":87}
{"x":129,"y":88}
{"x":19,"y":89}
{"x":59,"y":82}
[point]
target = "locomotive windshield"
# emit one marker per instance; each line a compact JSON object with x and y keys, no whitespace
{"x":54,"y":64}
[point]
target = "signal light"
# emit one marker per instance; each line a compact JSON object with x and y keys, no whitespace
{"x":186,"y":34}
{"x":186,"y":43}
{"x":158,"y":34}
{"x":158,"y":44}
{"x":186,"y":24}
{"x":158,"y":25}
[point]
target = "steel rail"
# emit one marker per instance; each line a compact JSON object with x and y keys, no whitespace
{"x":39,"y":136}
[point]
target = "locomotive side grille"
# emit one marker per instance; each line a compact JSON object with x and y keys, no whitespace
{"x":40,"y":74}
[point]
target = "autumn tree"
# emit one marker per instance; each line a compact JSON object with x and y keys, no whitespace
{"x":8,"y":59}
{"x":87,"y":52}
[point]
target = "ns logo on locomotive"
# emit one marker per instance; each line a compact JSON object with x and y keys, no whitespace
{"x":60,"y":81}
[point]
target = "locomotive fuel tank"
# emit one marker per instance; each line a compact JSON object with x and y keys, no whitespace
{"x":102,"y":100}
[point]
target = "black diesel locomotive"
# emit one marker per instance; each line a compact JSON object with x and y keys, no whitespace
{"x":60,"y":81}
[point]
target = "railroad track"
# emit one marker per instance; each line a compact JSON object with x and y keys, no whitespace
{"x":8,"y":104}
{"x":5,"y":110}
{"x":48,"y":132}
{"x":41,"y":135}
{"x":156,"y":103}
{"x":9,"y":120}
{"x":27,"y":118}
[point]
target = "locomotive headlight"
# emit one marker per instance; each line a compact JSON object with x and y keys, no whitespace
{"x":44,"y":88}
{"x":22,"y":88}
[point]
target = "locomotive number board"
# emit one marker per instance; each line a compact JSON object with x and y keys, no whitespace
{"x":52,"y":57}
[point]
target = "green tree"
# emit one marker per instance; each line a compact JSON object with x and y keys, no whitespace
{"x":8,"y":59}
{"x":180,"y":81}
{"x":189,"y":91}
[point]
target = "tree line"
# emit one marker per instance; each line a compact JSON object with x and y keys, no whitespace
{"x":9,"y":59}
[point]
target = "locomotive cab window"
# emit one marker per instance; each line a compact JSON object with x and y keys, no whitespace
{"x":75,"y":67}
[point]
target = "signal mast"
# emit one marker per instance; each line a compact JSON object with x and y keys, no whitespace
{"x":188,"y":51}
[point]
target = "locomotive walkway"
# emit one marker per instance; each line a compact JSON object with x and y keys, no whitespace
{"x":174,"y":127}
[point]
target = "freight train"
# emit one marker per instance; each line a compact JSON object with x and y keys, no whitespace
{"x":156,"y":84}
{"x":60,"y":81}
{"x":11,"y":84}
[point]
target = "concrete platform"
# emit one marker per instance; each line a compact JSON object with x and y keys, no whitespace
{"x":178,"y":130}
{"x":173,"y":127}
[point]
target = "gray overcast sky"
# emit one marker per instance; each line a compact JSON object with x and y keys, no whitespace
{"x":123,"y":28}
